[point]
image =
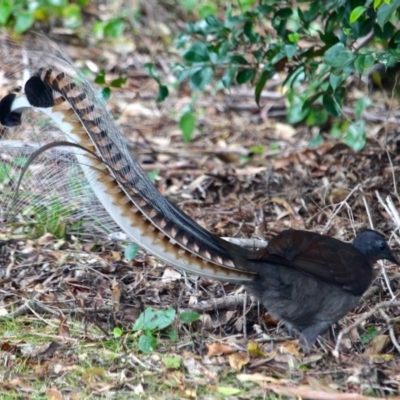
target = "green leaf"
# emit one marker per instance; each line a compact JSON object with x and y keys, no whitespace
{"x":5,"y":170}
{"x":369,"y":334}
{"x":245,"y":75}
{"x":23,"y":21}
{"x":187,"y":124}
{"x":5,"y":11}
{"x":172,"y":362}
{"x":117,"y":332}
{"x":165,"y":318}
{"x":72,"y":16}
{"x":317,"y":117}
{"x":290,"y":50}
{"x":117,"y":83}
{"x":197,"y":52}
{"x":316,"y":141}
{"x":331,"y":106}
{"x":239,"y":60}
{"x":147,"y":343}
{"x":338,"y":56}
{"x":153,"y":175}
{"x":20,"y":161}
{"x":100,"y":77}
{"x":150,"y":68}
{"x":361,"y":105}
{"x":364,"y":62}
{"x":173,"y":335}
{"x":356,"y":13}
{"x":106,"y":93}
{"x":337,"y":129}
{"x":386,"y":11}
{"x":265,"y":75}
{"x":356,"y":136}
{"x":131,"y":251}
{"x":207,"y":9}
{"x":142,"y":322}
{"x":298,"y":109}
{"x":377,"y":3}
{"x":229,"y":76}
{"x":189,"y":316}
{"x":200,"y":79}
{"x":248,"y":31}
{"x":163,"y":93}
{"x":114,"y":28}
{"x":294,"y":37}
{"x":150,"y":320}
{"x":228,"y":391}
{"x":257,"y":149}
{"x":335,"y":80}
{"x":98,"y":29}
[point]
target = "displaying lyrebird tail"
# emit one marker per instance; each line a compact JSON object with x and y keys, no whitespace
{"x":307,"y":280}
{"x":60,"y":92}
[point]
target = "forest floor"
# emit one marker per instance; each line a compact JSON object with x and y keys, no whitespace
{"x":245,"y":174}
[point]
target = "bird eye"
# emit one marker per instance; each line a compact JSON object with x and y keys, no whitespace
{"x":382,"y":246}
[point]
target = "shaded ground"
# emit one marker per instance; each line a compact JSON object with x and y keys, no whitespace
{"x":60,"y":299}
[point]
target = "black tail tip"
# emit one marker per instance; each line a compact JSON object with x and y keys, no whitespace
{"x":8,"y":117}
{"x":38,"y":93}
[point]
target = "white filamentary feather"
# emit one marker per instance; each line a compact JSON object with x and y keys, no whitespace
{"x":192,"y":259}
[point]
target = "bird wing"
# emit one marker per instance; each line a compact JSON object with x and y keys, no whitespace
{"x":324,"y":257}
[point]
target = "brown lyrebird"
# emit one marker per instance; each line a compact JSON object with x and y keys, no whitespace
{"x":308,"y":280}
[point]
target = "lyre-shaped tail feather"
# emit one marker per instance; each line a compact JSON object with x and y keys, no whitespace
{"x":57,"y":89}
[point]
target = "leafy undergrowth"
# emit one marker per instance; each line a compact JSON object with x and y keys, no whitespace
{"x":69,"y":306}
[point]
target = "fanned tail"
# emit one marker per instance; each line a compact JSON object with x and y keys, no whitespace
{"x":56,"y":89}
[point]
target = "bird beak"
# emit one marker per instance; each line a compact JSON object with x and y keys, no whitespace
{"x":390,"y":256}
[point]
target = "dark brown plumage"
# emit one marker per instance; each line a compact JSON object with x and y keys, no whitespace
{"x":310,"y":281}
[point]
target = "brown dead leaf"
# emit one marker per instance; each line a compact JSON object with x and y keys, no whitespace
{"x":321,"y":384}
{"x":116,"y":294}
{"x":381,"y":358}
{"x":46,"y":239}
{"x":269,"y":319}
{"x":16,"y":383}
{"x":93,"y":374}
{"x":284,"y":131}
{"x":170,"y":275}
{"x":305,"y":392}
{"x":63,"y":329}
{"x":257,"y":378}
{"x":284,"y":203}
{"x":194,"y":367}
{"x":338,"y":195}
{"x":238,"y":360}
{"x":180,"y":379}
{"x":291,"y":348}
{"x":214,"y":349}
{"x":45,"y":351}
{"x":54,"y":394}
{"x":377,"y":344}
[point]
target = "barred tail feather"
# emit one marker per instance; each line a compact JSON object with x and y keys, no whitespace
{"x":58,"y":91}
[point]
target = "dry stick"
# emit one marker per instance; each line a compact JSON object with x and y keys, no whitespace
{"x":383,"y":270}
{"x":339,"y":207}
{"x":250,"y":243}
{"x":382,"y":267}
{"x":390,"y":322}
{"x":386,"y":125}
{"x":345,"y":331}
{"x":43,"y":308}
{"x":34,"y":304}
